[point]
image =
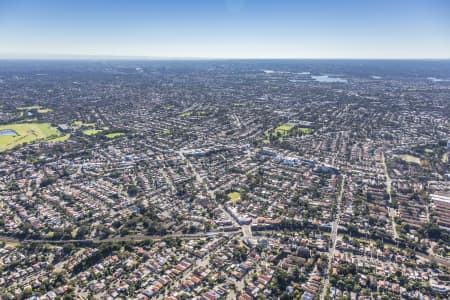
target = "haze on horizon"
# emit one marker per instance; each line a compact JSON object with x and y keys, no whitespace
{"x":225,"y":29}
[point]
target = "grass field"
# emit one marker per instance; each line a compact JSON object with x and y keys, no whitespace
{"x":192,"y":113}
{"x":30,"y":107}
{"x":44,"y":110}
{"x":234,"y":197}
{"x":305,"y":130}
{"x":38,"y":108}
{"x":74,"y":233}
{"x":167,"y":132}
{"x":283,"y":130}
{"x":114,"y":135}
{"x":92,"y":131}
{"x":286,"y":130}
{"x":60,"y":138}
{"x":81,"y":124}
{"x":77,"y":123}
{"x":27,"y":133}
{"x":186,"y":114}
{"x":415,"y":160}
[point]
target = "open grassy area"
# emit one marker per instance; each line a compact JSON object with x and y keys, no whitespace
{"x":38,"y":108}
{"x":91,"y":131}
{"x":30,"y":107}
{"x":44,"y":110}
{"x":167,"y":132}
{"x":305,"y":130}
{"x":26,"y":133}
{"x":74,"y":233}
{"x":192,"y":113}
{"x":60,"y":138}
{"x":282,"y":130}
{"x":186,"y":114}
{"x":81,"y":124}
{"x":413,"y":159}
{"x":77,"y":123}
{"x":234,"y":197}
{"x":286,"y":129}
{"x":33,"y":120}
{"x":114,"y":135}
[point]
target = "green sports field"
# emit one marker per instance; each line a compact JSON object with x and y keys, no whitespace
{"x":26,"y":133}
{"x":81,"y":124}
{"x":114,"y":135}
{"x":91,"y":131}
{"x":234,"y":197}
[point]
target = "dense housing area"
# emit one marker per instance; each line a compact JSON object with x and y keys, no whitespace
{"x":224,"y":180}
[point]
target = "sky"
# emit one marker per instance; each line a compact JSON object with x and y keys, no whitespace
{"x":226,"y":28}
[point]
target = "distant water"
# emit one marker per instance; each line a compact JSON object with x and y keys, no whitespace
{"x":326,"y":78}
{"x":298,"y":80}
{"x":275,"y":72}
{"x":307,"y":77}
{"x":437,"y":79}
{"x":8,"y":132}
{"x":376,"y":77}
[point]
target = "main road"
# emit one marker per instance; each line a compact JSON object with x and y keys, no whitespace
{"x":334,"y":230}
{"x":391,"y":210}
{"x":210,"y":193}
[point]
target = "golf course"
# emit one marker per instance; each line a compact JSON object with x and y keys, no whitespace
{"x":13,"y":135}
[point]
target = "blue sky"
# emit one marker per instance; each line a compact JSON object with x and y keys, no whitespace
{"x":226,"y":28}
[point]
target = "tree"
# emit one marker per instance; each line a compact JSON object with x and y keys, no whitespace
{"x":280,"y":281}
{"x":296,"y":273}
{"x":68,"y":248}
{"x":431,"y":230}
{"x":285,"y":296}
{"x":240,"y":254}
{"x":132,"y":190}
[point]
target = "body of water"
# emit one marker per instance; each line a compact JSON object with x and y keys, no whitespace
{"x":8,"y":132}
{"x":437,"y":79}
{"x":326,"y":78}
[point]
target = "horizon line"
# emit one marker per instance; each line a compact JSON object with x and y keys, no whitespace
{"x":7,"y":56}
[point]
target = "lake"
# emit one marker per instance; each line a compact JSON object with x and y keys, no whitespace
{"x":326,"y":78}
{"x":8,"y":132}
